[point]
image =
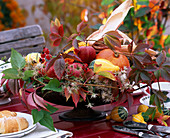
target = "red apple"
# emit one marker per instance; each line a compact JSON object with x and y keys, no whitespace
{"x":86,"y":53}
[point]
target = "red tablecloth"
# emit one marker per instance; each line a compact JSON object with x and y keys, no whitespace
{"x":92,"y":129}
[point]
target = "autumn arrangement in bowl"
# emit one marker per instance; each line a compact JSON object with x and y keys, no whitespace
{"x":105,"y":65}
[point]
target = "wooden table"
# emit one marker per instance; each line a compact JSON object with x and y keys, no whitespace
{"x":92,"y":129}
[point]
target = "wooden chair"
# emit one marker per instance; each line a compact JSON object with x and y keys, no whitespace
{"x":25,"y":40}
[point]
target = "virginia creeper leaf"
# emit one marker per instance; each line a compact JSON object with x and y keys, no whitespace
{"x":37,"y":115}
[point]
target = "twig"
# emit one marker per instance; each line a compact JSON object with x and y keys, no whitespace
{"x":96,"y":85}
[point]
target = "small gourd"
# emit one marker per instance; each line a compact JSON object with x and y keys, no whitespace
{"x":118,"y":114}
{"x":138,"y":118}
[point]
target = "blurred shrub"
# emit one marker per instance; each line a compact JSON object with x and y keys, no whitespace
{"x":10,"y":15}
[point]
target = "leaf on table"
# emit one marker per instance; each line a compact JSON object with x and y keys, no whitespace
{"x":47,"y":121}
{"x":112,"y":23}
{"x":37,"y":115}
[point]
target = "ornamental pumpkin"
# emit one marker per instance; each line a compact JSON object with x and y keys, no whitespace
{"x":99,"y":65}
{"x":118,"y":114}
{"x":138,"y":118}
{"x":116,"y":59}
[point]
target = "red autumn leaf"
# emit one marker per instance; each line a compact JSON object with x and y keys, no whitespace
{"x":89,"y":73}
{"x":81,"y":26}
{"x":67,"y":94}
{"x":39,"y":101}
{"x":121,"y":100}
{"x":53,"y":36}
{"x":130,"y":47}
{"x":59,"y":67}
{"x":3,"y":80}
{"x":75,"y":43}
{"x":53,"y":29}
{"x":114,"y":33}
{"x":61,"y":31}
{"x":141,"y":48}
{"x":30,"y":101}
{"x":71,"y":55}
{"x":57,"y":42}
{"x":23,"y":97}
{"x":50,"y":63}
{"x":83,"y":95}
{"x":84,"y":14}
{"x":75,"y":98}
{"x":13,"y":86}
{"x":71,"y":37}
{"x":21,"y":83}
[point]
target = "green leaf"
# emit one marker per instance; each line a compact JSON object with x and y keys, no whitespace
{"x":28,"y":74}
{"x":107,"y":74}
{"x":142,"y":11}
{"x":157,"y":74}
{"x":107,"y":2}
{"x":165,"y":74}
{"x":53,"y":85}
{"x":143,"y":2}
{"x":153,"y":115}
{"x":96,"y":26}
{"x":149,"y":111}
{"x":167,"y":41}
{"x":152,"y":98}
{"x":17,"y":61}
{"x":51,"y":108}
{"x":158,"y":104}
{"x":11,"y":73}
{"x":145,"y":76}
{"x":112,"y":41}
{"x":47,"y":121}
{"x":37,"y":115}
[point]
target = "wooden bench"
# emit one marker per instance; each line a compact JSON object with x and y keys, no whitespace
{"x":25,"y":40}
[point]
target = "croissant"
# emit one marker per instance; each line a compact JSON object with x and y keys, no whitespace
{"x":6,"y":113}
{"x":12,"y":124}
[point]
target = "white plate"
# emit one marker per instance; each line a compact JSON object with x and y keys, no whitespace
{"x":4,"y":101}
{"x":164,"y":86}
{"x":145,"y":100}
{"x":21,"y":133}
{"x":140,"y":91}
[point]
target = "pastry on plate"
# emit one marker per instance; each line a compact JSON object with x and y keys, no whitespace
{"x":12,"y":124}
{"x":6,"y":113}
